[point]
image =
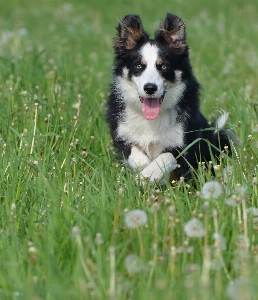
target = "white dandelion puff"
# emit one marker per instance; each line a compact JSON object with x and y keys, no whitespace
{"x":98,"y":239}
{"x":252,"y":211}
{"x":136,"y":218}
{"x":75,"y":232}
{"x":240,"y":289}
{"x":240,"y":189}
{"x":233,"y":200}
{"x":211,"y":190}
{"x":216,"y":264}
{"x":194,"y":228}
{"x":219,"y":241}
{"x":238,"y":195}
{"x":133,"y":264}
{"x":227,"y":172}
{"x":243,"y":241}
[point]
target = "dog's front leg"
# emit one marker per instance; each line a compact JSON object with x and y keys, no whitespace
{"x":137,"y":160}
{"x":163,"y":165}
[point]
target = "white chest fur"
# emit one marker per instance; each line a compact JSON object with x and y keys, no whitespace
{"x":154,"y":136}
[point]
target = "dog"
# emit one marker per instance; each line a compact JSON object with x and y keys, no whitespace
{"x":153,"y":107}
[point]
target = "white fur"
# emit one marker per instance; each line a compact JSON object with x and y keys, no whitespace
{"x":163,"y":165}
{"x":151,"y":136}
{"x":221,"y":121}
{"x":178,"y":75}
{"x":150,"y":74}
{"x":137,"y":160}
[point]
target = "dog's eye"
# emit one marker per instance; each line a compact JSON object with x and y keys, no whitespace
{"x":164,"y":67}
{"x":138,"y":66}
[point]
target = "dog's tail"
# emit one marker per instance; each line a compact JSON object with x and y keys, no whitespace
{"x":224,"y":137}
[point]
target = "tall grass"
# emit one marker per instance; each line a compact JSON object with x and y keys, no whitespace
{"x":64,"y":197}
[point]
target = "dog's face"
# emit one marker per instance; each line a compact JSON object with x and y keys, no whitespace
{"x":151,"y":71}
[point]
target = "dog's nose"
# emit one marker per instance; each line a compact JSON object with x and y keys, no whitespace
{"x":150,"y":88}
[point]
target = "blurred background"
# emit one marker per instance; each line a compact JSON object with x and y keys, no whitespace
{"x":74,"y":41}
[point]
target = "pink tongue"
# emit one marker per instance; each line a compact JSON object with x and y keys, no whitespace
{"x":150,"y":108}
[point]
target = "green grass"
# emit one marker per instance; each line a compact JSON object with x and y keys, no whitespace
{"x":62,"y":229}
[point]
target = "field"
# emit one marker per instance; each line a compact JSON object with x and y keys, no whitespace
{"x":68,"y":225}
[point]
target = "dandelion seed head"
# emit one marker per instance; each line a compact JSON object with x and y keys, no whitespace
{"x":243,"y":242}
{"x":227,"y":172}
{"x":219,"y":241}
{"x":252,"y":211}
{"x":155,"y":207}
{"x":211,"y":190}
{"x":216,"y":264}
{"x":194,"y":228}
{"x":133,"y":264}
{"x":121,"y":192}
{"x":75,"y":232}
{"x":240,"y":189}
{"x":171,"y":210}
{"x":233,"y":200}
{"x":240,"y":289}
{"x":136,"y":218}
{"x":98,"y":240}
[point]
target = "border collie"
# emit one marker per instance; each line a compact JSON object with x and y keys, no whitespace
{"x":153,"y":107}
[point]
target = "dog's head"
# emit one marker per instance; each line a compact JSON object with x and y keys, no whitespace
{"x":153,"y":69}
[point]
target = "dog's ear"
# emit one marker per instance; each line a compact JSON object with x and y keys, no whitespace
{"x":129,"y":32}
{"x":172,"y":31}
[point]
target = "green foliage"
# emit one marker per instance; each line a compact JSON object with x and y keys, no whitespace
{"x":63,"y":195}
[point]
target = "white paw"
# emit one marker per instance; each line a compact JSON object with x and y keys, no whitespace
{"x":137,"y":160}
{"x":160,"y":168}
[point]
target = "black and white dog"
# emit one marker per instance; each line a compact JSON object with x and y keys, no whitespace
{"x":153,"y":107}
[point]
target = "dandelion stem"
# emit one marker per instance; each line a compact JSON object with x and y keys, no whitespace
{"x":206,"y":266}
{"x":206,"y":229}
{"x":34,"y":129}
{"x":140,"y":241}
{"x":112,"y":290}
{"x":85,"y":267}
{"x":245,"y":221}
{"x":239,"y":215}
{"x":75,"y":125}
{"x":219,"y":257}
{"x":155,"y":246}
{"x":171,"y":264}
{"x":117,"y":214}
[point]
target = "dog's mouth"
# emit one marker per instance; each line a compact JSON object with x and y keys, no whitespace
{"x":150,"y":107}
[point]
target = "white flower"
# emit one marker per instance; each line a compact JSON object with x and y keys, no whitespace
{"x":238,"y":194}
{"x":194,"y":229}
{"x":133,"y":264}
{"x":240,"y":289}
{"x":243,"y":241}
{"x":233,"y":200}
{"x":227,"y":172}
{"x":220,"y":241}
{"x":76,"y":232}
{"x":216,"y":264}
{"x":252,"y":211}
{"x":136,"y":218}
{"x":240,"y":189}
{"x":211,"y":189}
{"x":98,"y":240}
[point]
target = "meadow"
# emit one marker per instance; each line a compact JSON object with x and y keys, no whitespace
{"x":74,"y":224}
